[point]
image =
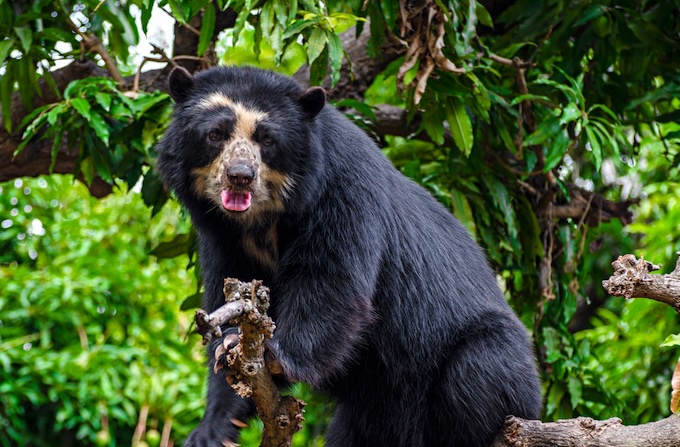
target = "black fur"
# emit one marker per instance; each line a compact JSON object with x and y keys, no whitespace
{"x":379,"y":295}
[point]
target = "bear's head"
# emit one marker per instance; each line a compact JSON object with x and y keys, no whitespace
{"x":239,"y":141}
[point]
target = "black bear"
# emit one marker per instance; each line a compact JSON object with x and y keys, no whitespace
{"x":381,"y":298}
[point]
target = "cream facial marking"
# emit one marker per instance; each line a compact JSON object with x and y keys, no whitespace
{"x":246,"y":118}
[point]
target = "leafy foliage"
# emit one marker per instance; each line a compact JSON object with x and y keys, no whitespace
{"x":89,"y":332}
{"x":514,"y":113}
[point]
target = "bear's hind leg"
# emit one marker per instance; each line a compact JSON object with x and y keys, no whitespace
{"x":487,"y":376}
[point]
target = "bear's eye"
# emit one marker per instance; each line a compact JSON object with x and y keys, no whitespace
{"x":215,"y":136}
{"x":267,"y":140}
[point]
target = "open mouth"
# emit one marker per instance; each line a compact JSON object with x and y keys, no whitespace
{"x":236,"y":200}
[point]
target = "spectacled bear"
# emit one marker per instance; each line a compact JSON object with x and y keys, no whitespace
{"x":380,"y":297}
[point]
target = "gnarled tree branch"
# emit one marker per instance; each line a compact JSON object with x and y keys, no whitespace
{"x":631,"y":279}
{"x":247,"y":305}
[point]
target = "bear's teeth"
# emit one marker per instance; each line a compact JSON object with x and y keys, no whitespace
{"x":236,"y":200}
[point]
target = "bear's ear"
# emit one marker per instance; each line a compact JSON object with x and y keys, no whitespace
{"x":181,"y":83}
{"x":312,"y":101}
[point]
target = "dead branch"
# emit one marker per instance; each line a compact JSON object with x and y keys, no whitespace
{"x":92,"y":43}
{"x":422,"y":29}
{"x":589,"y":207}
{"x":247,"y":305}
{"x":631,"y":279}
{"x":587,"y":432}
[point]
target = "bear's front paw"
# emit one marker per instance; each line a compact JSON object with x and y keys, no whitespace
{"x":227,"y":343}
{"x":206,"y":436}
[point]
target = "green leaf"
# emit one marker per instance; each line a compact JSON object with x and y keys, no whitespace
{"x":98,"y":124}
{"x":178,"y":246}
{"x":82,"y":107}
{"x":56,"y":35}
{"x":104,"y":100}
{"x":55,"y":148}
{"x":556,"y":151}
{"x":606,"y":110}
{"x":529,"y":97}
{"x":502,"y":201}
{"x":316,"y":44}
{"x":153,"y":192}
{"x":319,"y":68}
{"x":292,"y":11}
{"x":72,"y":87}
{"x":147,"y":8}
{"x":267,"y":19}
{"x":277,"y":43}
{"x":31,"y":116}
{"x":571,"y":94}
{"x":604,"y":135}
{"x":361,"y":107}
{"x":570,"y":113}
{"x":55,"y":112}
{"x":25,"y":36}
{"x":25,"y":65}
{"x":6,"y":87}
{"x":576,"y":85}
{"x":575,"y":391}
{"x":179,"y":11}
{"x":5,"y":47}
{"x":192,"y":301}
{"x":145,"y":102}
{"x":595,"y":147}
{"x":296,"y":27}
{"x":390,"y":10}
{"x":207,"y":29}
{"x":411,"y":169}
{"x":433,"y":124}
{"x":31,"y":130}
{"x":483,"y":15}
{"x":546,"y":130}
{"x":88,"y":169}
{"x":281,"y":12}
{"x":100,"y":157}
{"x":671,"y":340}
{"x":335,"y":54}
{"x":459,"y":125}
{"x":49,"y":80}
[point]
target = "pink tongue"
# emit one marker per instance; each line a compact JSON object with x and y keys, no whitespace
{"x":235,"y":200}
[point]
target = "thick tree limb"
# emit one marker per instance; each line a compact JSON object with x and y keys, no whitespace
{"x":247,"y":305}
{"x":587,"y":432}
{"x":631,"y":279}
{"x":35,"y":159}
{"x":592,"y":207}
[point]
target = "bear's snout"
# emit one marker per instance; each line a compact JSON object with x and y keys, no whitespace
{"x":240,"y":173}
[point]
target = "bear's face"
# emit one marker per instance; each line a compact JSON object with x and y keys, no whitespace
{"x":242,"y":147}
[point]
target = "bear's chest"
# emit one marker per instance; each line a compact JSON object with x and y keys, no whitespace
{"x":262,"y":246}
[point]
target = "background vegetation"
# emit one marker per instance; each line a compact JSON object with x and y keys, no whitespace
{"x":551,"y":131}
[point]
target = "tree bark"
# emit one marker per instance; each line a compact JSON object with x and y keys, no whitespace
{"x":587,"y":432}
{"x":631,"y":279}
